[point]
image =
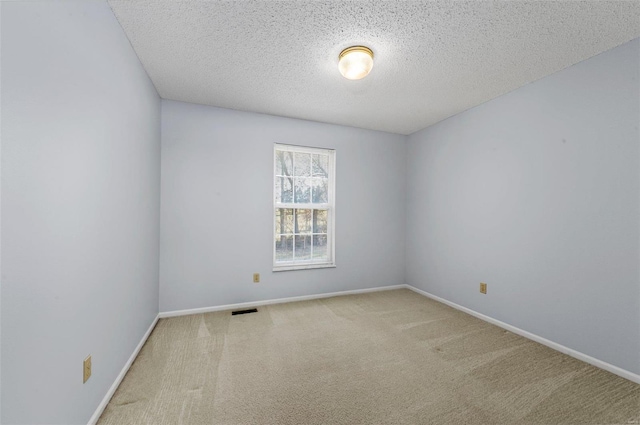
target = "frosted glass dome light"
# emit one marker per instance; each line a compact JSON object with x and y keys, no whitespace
{"x":355,"y":62}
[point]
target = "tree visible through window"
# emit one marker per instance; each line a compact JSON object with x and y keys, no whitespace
{"x":304,"y":207}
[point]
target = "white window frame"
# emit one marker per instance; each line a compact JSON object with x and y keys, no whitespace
{"x":330,"y":206}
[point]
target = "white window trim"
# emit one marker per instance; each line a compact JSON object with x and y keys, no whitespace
{"x":331,"y":206}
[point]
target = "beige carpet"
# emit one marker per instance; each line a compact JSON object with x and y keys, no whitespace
{"x":391,"y":357}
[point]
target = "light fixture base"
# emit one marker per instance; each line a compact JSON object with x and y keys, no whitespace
{"x":363,"y":49}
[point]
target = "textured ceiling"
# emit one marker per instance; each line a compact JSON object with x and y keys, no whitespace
{"x":433,"y":59}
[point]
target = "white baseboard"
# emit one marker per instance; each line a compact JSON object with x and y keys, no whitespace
{"x":554,"y":345}
{"x":174,"y":313}
{"x":120,"y":377}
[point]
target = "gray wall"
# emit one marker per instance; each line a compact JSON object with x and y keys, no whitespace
{"x":80,"y":207}
{"x":0,"y":213}
{"x":537,"y":193}
{"x":217,"y":229}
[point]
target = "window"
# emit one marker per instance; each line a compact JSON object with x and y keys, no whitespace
{"x":304,"y":207}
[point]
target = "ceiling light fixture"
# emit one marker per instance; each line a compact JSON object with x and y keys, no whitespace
{"x":355,"y":62}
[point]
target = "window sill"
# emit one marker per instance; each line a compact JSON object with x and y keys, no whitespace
{"x":303,"y":267}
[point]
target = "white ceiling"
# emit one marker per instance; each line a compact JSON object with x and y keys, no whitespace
{"x":433,"y":59}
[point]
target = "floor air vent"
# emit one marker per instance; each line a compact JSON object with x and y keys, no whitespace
{"x":251,"y":310}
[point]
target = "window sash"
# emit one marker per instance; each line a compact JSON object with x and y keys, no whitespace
{"x":306,"y":206}
{"x":327,"y":260}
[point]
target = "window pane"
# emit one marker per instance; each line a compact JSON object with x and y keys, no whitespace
{"x":284,"y":189}
{"x":302,"y":164}
{"x":284,"y":221}
{"x":284,"y":163}
{"x":284,"y":248}
{"x":320,"y":192}
{"x":320,"y":247}
{"x":302,"y":190}
{"x":319,"y":221}
{"x":303,"y":224}
{"x":320,"y":165}
{"x":303,"y":247}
